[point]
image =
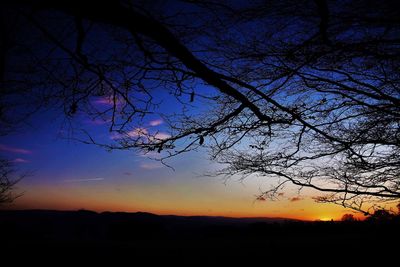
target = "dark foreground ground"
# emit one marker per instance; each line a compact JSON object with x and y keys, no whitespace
{"x":63,"y":236}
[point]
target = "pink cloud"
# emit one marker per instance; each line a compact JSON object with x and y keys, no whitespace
{"x":161,"y":136}
{"x":294,"y":199}
{"x":137,"y":132}
{"x":141,"y":133}
{"x":14,"y":149}
{"x":115,"y":136}
{"x":150,"y":166}
{"x":19,"y":160}
{"x":104,"y":101}
{"x":261,"y":198}
{"x":156,"y":122}
{"x":148,"y":154}
{"x":109,"y":101}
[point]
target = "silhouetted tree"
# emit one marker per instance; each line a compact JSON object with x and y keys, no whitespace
{"x":301,"y":92}
{"x":7,"y":182}
{"x":348,"y":218}
{"x":381,"y":215}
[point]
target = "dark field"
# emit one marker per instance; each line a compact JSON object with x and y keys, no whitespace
{"x":85,"y":234}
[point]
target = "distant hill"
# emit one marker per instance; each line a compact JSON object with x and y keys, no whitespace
{"x":140,"y":216}
{"x":27,"y":226}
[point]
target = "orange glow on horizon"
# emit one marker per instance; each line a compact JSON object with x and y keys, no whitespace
{"x":172,"y":204}
{"x":187,"y":198}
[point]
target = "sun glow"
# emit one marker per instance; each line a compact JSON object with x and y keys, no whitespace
{"x":325,"y":219}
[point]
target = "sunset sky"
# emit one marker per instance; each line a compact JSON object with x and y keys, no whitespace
{"x":267,"y":89}
{"x":68,"y":175}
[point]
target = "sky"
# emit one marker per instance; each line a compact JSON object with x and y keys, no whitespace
{"x":66,"y":174}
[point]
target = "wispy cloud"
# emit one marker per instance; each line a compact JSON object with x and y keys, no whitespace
{"x":127,"y":173}
{"x":104,"y":101}
{"x":109,"y":101}
{"x":20,"y":160}
{"x":156,"y":122}
{"x":294,"y":199}
{"x":116,"y":136}
{"x":135,"y":133}
{"x":161,"y":136}
{"x":84,"y":180}
{"x":143,"y":133}
{"x":148,"y":154}
{"x":150,"y":166}
{"x":16,"y":150}
{"x":260,"y":198}
{"x":138,"y":132}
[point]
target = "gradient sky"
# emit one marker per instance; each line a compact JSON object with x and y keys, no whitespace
{"x":69,"y":175}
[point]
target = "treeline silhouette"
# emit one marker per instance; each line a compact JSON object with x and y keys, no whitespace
{"x":110,"y":230}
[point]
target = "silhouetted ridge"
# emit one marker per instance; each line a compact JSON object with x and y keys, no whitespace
{"x":83,"y":231}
